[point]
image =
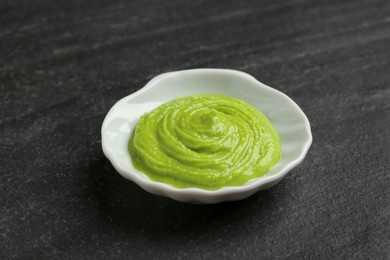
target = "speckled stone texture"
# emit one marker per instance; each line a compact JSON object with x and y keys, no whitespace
{"x":63,"y":64}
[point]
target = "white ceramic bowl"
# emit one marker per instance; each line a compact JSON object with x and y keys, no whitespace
{"x":287,"y":118}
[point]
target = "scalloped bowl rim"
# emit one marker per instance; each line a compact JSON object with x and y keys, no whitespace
{"x":196,"y":194}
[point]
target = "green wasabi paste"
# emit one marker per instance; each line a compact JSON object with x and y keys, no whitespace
{"x":204,"y":141}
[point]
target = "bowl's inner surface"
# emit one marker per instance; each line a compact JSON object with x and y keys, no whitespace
{"x":289,"y":121}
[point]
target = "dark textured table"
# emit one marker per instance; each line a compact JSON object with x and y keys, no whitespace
{"x":63,"y":64}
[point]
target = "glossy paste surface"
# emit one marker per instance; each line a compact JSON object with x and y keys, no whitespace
{"x":204,"y":141}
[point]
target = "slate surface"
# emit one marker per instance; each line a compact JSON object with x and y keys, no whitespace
{"x":63,"y":64}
